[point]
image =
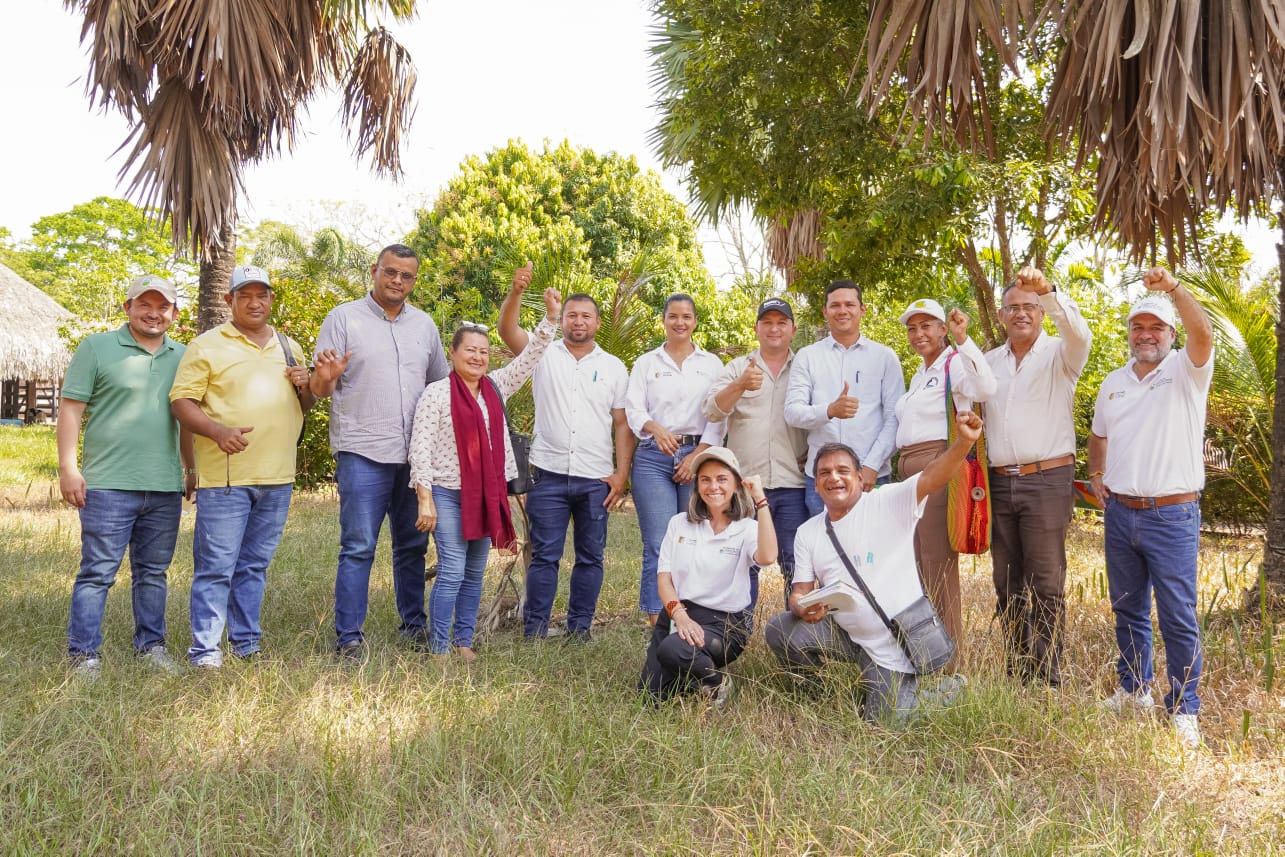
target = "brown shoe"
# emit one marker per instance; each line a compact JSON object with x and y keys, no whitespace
{"x":466,"y":654}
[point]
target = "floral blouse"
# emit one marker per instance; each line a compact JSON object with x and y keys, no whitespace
{"x":434,"y":455}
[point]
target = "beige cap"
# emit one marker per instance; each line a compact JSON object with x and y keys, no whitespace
{"x":152,"y":283}
{"x":720,"y":454}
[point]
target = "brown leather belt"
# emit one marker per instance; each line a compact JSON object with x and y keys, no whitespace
{"x":1034,"y":466}
{"x":1156,"y":502}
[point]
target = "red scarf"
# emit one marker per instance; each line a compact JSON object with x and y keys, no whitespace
{"x":484,"y":493}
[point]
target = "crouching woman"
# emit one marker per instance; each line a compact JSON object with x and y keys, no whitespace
{"x":704,"y":579}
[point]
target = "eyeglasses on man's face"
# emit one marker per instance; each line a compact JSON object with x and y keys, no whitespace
{"x":1029,"y":309}
{"x":396,"y":276}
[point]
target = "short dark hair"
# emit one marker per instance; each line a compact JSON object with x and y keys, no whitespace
{"x":678,"y":297}
{"x":401,"y":251}
{"x":739,"y":507}
{"x":581,"y":296}
{"x":845,"y":284}
{"x":828,"y":449}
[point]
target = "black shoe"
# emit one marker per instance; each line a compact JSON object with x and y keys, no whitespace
{"x":353,"y":650}
{"x":580,"y":636}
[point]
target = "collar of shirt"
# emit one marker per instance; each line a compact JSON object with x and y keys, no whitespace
{"x":377,"y":311}
{"x":561,"y":345}
{"x":1133,"y":375}
{"x":1041,"y":342}
{"x":834,"y":343}
{"x":664,"y":355}
{"x":125,"y":338}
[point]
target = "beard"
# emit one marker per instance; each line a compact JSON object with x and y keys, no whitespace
{"x":577,"y":337}
{"x":1150,"y":353}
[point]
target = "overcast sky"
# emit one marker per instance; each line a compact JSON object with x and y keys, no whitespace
{"x":489,"y":71}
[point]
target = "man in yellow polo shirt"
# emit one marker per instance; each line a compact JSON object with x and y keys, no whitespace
{"x":236,"y":392}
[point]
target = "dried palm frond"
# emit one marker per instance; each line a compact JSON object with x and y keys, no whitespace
{"x":794,"y":237}
{"x":1182,"y":103}
{"x":378,"y":96}
{"x":246,"y":69}
{"x":184,"y":167}
{"x":933,"y":45}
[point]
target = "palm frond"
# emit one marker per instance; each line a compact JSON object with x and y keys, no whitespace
{"x":794,"y":237}
{"x":379,"y":92}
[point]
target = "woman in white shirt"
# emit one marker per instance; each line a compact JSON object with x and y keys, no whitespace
{"x":461,"y":460}
{"x":663,"y":406}
{"x":704,"y":577}
{"x":922,"y":435}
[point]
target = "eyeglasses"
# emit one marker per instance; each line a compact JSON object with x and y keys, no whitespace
{"x":1029,"y":309}
{"x":473,"y":325}
{"x":402,"y":276}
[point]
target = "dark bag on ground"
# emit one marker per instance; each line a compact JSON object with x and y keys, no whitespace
{"x":917,"y":629}
{"x":521,"y":444}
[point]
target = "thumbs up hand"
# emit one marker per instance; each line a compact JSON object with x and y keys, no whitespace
{"x":844,"y":407}
{"x":752,"y":378}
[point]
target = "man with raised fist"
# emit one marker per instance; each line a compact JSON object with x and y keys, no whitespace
{"x":844,"y":389}
{"x":1030,"y":438}
{"x":749,"y":399}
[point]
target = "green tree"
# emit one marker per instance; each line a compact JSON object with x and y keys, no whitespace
{"x":758,"y":105}
{"x":592,"y":221}
{"x":84,"y":258}
{"x":210,"y":87}
{"x":328,"y":259}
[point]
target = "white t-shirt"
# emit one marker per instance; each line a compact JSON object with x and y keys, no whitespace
{"x":574,"y":400}
{"x":708,"y":568}
{"x":1155,"y":427}
{"x":878,"y":535}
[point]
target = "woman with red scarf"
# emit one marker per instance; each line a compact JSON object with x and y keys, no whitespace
{"x":461,"y":460}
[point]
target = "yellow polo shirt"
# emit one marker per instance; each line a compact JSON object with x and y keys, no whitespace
{"x":239,"y":384}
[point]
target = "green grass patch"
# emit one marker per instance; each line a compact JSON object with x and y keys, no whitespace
{"x":545,"y":748}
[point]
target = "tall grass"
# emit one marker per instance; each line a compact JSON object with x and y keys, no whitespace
{"x":545,"y":748}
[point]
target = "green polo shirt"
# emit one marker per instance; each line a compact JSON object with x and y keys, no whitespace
{"x":131,"y":441}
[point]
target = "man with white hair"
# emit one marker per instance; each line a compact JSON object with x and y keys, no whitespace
{"x":1147,"y":468}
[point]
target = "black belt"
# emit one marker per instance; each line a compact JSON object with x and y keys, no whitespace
{"x":689,"y":439}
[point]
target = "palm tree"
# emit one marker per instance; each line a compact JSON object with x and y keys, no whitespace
{"x":211,"y":85}
{"x":1181,"y":103}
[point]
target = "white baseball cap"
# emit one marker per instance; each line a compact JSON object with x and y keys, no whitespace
{"x":152,"y":283}
{"x":923,"y":306}
{"x":1161,"y":308}
{"x":244,"y":275}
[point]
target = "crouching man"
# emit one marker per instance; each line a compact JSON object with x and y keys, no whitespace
{"x":876,"y":530}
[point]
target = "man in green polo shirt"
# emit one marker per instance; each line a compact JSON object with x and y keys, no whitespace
{"x":129,"y":485}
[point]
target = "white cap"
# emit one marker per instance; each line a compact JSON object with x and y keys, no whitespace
{"x":152,"y":283}
{"x":1161,"y":308}
{"x":923,"y":306}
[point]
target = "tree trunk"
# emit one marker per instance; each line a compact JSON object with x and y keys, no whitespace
{"x":1274,"y":548}
{"x":983,"y":291}
{"x":216,"y":270}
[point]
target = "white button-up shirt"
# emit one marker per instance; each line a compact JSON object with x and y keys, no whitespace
{"x":574,"y":400}
{"x":660,"y":390}
{"x":921,"y":413}
{"x":1155,"y":427}
{"x":1029,"y":418}
{"x":872,"y":373}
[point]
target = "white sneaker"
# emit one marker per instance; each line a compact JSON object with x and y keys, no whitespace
{"x":1187,"y":728}
{"x":158,"y":658}
{"x":209,"y":662}
{"x":1122,"y":701}
{"x":88,"y":668}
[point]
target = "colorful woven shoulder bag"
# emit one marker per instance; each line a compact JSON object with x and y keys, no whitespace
{"x":968,"y":494}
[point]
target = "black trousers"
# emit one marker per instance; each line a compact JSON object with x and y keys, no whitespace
{"x":674,"y":666}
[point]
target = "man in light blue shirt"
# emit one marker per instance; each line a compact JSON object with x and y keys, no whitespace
{"x":844,"y":389}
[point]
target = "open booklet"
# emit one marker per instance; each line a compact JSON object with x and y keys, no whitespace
{"x":839,"y":595}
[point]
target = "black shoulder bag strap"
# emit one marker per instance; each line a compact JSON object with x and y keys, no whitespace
{"x":290,"y":361}
{"x":861,"y":584}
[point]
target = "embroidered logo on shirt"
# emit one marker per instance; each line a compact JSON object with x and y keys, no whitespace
{"x":1161,"y":383}
{"x":932,"y":382}
{"x":730,"y":550}
{"x":1118,"y":394}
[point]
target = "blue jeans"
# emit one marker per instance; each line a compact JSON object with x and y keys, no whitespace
{"x":369,"y":491}
{"x":813,"y":499}
{"x":457,"y":589}
{"x":1156,"y":549}
{"x":789,"y":510}
{"x":556,"y":500}
{"x":657,"y":498}
{"x":147,"y":523}
{"x":237,"y":532}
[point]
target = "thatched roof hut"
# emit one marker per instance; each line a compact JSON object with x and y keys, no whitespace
{"x":30,"y":345}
